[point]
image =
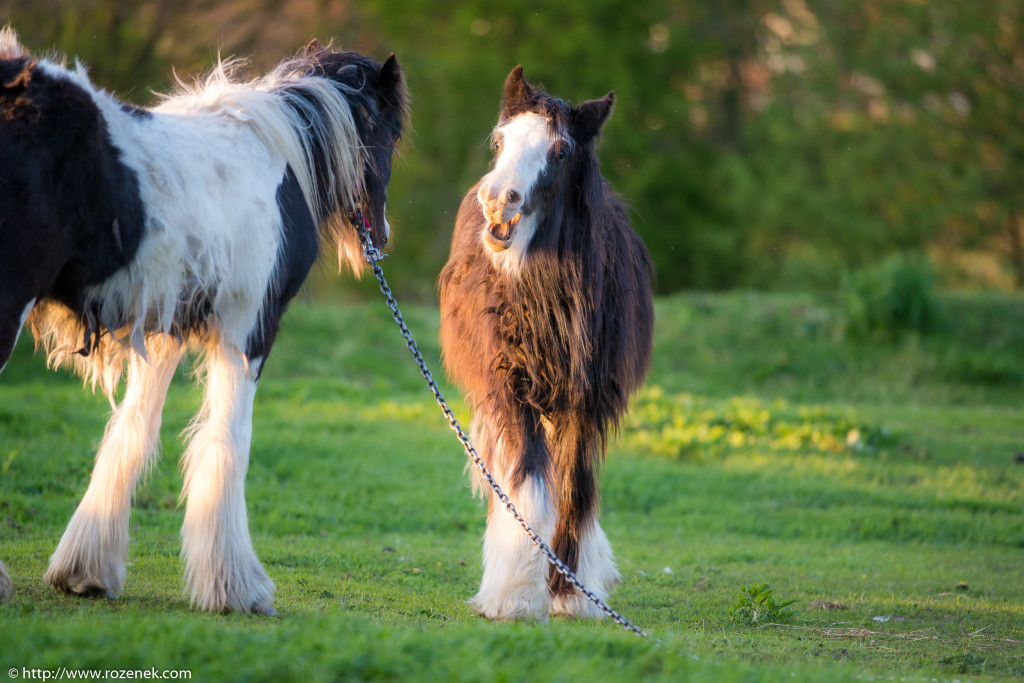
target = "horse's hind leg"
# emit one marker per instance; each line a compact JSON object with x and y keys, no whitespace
{"x":579,"y":540}
{"x":595,"y":568}
{"x":221,"y":569}
{"x":6,"y":587}
{"x":91,"y":554}
{"x":514,"y":584}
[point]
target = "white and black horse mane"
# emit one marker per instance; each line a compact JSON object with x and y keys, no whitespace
{"x":377,"y":98}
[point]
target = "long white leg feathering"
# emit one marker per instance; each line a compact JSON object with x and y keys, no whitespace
{"x":514,"y":584}
{"x":91,"y":555}
{"x":222,"y":571}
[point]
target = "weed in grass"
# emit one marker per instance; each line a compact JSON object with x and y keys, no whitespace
{"x":756,"y":605}
{"x":966,"y":662}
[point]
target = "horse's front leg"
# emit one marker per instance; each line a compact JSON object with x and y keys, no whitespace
{"x":515,"y":580}
{"x":579,"y":541}
{"x":91,"y":555}
{"x":222,"y":572}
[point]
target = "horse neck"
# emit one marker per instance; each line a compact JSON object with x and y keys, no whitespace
{"x":579,"y":218}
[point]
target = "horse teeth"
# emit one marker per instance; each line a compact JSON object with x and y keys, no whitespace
{"x":503,"y":231}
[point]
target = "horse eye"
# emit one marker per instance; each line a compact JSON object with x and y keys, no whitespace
{"x":495,"y":146}
{"x":563,"y":154}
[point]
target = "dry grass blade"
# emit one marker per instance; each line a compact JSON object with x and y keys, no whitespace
{"x":921,"y":634}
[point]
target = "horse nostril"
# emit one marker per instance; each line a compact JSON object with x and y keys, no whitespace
{"x":511,"y":197}
{"x":487,"y":195}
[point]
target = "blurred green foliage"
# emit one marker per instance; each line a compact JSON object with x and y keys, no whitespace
{"x":761,"y":143}
{"x":888,"y":299}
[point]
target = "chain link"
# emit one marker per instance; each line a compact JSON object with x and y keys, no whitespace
{"x":373,"y":257}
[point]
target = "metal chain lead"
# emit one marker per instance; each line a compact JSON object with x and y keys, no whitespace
{"x":373,"y":257}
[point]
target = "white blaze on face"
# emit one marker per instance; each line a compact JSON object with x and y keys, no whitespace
{"x":505,"y":190}
{"x":524,"y":151}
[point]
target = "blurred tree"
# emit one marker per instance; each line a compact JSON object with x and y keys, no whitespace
{"x":457,"y":60}
{"x":761,"y":143}
{"x":889,"y":126}
{"x":979,"y":87}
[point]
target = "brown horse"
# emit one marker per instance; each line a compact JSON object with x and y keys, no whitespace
{"x":546,"y":324}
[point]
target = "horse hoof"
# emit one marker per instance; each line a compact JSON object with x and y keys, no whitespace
{"x":265,"y":610}
{"x":93,"y":592}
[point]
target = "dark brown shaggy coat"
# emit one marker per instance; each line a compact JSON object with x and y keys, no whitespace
{"x":565,"y":341}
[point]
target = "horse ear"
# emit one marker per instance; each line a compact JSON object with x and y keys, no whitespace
{"x":517,"y":90}
{"x":313,"y":46}
{"x":392,"y":83}
{"x":10,"y":48}
{"x":586,"y":119}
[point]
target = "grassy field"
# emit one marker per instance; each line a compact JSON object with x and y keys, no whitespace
{"x":879,"y":485}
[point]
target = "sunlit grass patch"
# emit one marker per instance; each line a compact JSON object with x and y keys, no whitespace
{"x":688,"y":426}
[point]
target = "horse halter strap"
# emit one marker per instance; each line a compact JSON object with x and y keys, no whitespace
{"x":373,"y":257}
{"x":362,"y":226}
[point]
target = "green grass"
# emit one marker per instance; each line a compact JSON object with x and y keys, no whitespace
{"x":882,"y":479}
